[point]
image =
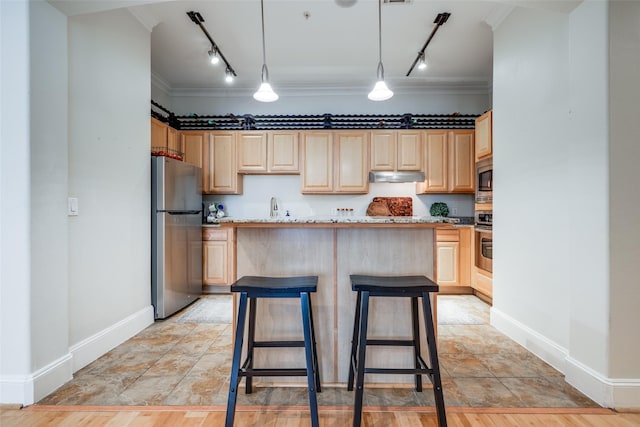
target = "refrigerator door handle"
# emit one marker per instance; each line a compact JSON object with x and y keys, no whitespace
{"x":172,"y":212}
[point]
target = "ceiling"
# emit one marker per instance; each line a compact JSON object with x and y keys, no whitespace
{"x":315,"y":44}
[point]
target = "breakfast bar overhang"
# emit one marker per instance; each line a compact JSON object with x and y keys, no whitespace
{"x":333,"y":249}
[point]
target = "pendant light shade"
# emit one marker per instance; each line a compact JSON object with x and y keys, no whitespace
{"x":380,"y":91}
{"x":265,"y":92}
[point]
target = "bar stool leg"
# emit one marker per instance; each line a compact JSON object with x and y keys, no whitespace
{"x":360,"y":362}
{"x":354,"y":344}
{"x":235,"y":366}
{"x":316,"y":367}
{"x":251,"y":337}
{"x":435,"y":365}
{"x":416,"y":340}
{"x":308,"y":349}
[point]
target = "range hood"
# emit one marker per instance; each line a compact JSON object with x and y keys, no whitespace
{"x":396,"y":176}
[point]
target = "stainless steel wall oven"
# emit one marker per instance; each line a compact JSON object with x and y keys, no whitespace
{"x":484,"y":240}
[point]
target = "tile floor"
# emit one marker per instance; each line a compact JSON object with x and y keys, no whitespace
{"x":175,"y":363}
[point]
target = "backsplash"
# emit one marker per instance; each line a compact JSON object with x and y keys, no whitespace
{"x":258,"y":190}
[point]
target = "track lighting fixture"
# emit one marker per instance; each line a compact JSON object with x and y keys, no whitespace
{"x":422,"y":62}
{"x":421,"y":59}
{"x":380,"y":91}
{"x":228,"y":76}
{"x":265,"y":92}
{"x":215,"y":54}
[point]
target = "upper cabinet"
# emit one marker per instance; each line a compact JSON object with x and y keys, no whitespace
{"x":334,"y":162}
{"x":252,"y":152}
{"x":351,"y":162}
{"x":317,"y":162}
{"x":164,"y":138}
{"x":449,"y":162}
{"x":396,"y":150}
{"x":268,"y":152}
{"x":220,"y":167}
{"x":193,"y":143}
{"x":484,"y":135}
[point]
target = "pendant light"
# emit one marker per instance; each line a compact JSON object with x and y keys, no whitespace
{"x":380,"y":91}
{"x":264,"y":93}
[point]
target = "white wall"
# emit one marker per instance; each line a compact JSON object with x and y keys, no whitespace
{"x":49,"y":231}
{"x":587,"y":192}
{"x":624,"y":228}
{"x":109,"y":172}
{"x":258,"y":190}
{"x":530,"y":133}
{"x":16,"y":385}
{"x":185,"y":102}
{"x":565,"y":153}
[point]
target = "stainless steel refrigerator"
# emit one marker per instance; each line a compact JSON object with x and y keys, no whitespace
{"x":176,"y":235}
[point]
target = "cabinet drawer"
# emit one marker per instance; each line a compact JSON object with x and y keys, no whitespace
{"x":447,"y":236}
{"x":484,"y":284}
{"x":214,"y":234}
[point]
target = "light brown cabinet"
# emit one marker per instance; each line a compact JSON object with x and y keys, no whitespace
{"x":317,"y":162}
{"x":334,"y":162}
{"x":484,"y":135}
{"x":217,"y":256}
{"x":270,"y":152}
{"x":193,"y":143}
{"x":396,"y":150}
{"x":351,"y":161}
{"x":252,"y":152}
{"x":220,"y":167}
{"x":164,"y":138}
{"x":449,"y":162}
{"x":453,"y":256}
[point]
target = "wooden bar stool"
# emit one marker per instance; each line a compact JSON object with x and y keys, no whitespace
{"x":412,"y":287}
{"x":251,"y":288}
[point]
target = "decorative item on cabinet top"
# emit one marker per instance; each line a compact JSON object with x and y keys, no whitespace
{"x":319,"y":121}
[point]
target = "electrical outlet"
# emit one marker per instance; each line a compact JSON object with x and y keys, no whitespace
{"x":454,"y":211}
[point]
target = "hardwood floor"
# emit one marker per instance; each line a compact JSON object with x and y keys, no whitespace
{"x":37,"y":416}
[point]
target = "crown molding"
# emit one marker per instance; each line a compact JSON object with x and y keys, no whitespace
{"x":160,"y":83}
{"x":497,"y":15}
{"x":147,"y":20}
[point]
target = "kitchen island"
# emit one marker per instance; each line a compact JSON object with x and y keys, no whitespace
{"x":332,"y":248}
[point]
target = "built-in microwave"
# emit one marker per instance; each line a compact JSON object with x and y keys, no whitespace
{"x":484,"y":181}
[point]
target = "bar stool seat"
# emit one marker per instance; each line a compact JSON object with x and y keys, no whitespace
{"x":413,"y":287}
{"x":251,"y":288}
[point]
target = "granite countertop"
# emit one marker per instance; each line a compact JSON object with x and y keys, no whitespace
{"x":338,"y":220}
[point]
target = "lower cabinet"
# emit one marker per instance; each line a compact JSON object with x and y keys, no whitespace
{"x":217,"y":256}
{"x":453,"y":256}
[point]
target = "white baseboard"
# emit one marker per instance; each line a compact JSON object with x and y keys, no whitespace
{"x":28,"y":389}
{"x":607,"y":392}
{"x":536,"y":343}
{"x":89,"y":349}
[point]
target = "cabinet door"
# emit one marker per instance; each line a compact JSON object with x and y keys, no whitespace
{"x":215,"y":266}
{"x":192,"y":146}
{"x":317,"y":162}
{"x":282,"y":152}
{"x":223,"y":176}
{"x":409,"y":156}
{"x":448,"y":261}
{"x":383,"y":150}
{"x":484,"y":136}
{"x":252,"y":152}
{"x":158,"y":135}
{"x":435,"y":162}
{"x":461,"y":162}
{"x":352,"y":155}
{"x":173,"y":140}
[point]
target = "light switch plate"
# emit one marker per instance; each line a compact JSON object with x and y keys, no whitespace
{"x":72,"y":206}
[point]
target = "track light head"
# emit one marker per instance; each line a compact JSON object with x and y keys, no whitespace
{"x":213,"y":56}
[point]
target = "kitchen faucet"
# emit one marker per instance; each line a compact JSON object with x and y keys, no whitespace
{"x":274,"y":207}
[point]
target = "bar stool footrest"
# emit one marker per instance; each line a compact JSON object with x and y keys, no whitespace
{"x":395,"y":343}
{"x":273,"y":372}
{"x":277,"y":344}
